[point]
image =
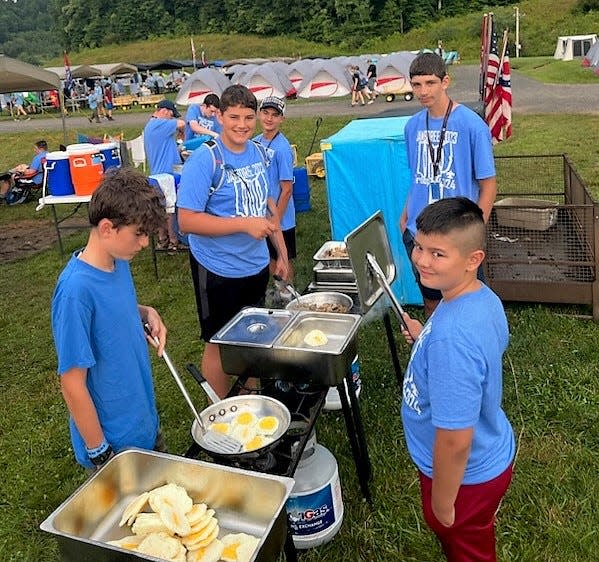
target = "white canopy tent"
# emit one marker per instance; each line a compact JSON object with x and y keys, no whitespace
{"x":569,"y":47}
{"x":18,"y":76}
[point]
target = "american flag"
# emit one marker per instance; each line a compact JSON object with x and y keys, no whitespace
{"x":68,"y":76}
{"x":498,"y":91}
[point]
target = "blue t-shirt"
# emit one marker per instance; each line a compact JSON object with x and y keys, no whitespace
{"x":454,"y":381}
{"x":92,"y":101}
{"x":97,"y":326}
{"x":160,"y":145}
{"x":243,"y":193}
{"x":37,"y":164}
{"x":194,"y":113}
{"x":280,"y":155}
{"x":467,"y":157}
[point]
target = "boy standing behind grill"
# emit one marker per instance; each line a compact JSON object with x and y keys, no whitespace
{"x":449,"y":153}
{"x":225,"y":207}
{"x":280,"y":173}
{"x":456,"y":431}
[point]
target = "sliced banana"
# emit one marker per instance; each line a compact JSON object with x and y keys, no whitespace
{"x":133,"y":509}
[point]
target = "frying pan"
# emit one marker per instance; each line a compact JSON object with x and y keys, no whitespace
{"x":224,"y":411}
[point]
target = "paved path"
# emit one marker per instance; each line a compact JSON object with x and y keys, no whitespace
{"x":530,"y":96}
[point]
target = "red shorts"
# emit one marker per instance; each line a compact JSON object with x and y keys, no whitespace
{"x":472,"y":537}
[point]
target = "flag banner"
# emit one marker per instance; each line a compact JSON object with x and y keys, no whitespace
{"x":68,"y":76}
{"x":498,"y":90}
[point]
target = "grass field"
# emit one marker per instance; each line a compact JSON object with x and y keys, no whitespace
{"x":550,"y":381}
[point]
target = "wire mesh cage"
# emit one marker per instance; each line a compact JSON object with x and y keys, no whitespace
{"x":543,"y":233}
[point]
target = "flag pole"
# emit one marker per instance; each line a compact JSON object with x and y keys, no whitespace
{"x":503,"y":51}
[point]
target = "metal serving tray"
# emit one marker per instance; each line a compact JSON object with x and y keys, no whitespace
{"x":253,"y":326}
{"x":244,"y":501}
{"x":324,"y":274}
{"x":326,"y":364}
{"x":322,"y":255}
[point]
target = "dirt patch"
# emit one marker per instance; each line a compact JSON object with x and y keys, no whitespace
{"x":26,"y":237}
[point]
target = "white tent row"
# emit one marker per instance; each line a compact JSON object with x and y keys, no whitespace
{"x":305,"y":78}
{"x":95,"y":71}
{"x":569,"y":47}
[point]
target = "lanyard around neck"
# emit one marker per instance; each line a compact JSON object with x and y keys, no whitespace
{"x":436,"y":158}
{"x":270,"y":141}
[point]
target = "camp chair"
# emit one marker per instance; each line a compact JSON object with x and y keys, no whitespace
{"x":137,"y":152}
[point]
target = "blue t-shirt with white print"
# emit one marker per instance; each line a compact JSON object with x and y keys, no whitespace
{"x":454,"y":381}
{"x":280,"y":155}
{"x":243,"y":193}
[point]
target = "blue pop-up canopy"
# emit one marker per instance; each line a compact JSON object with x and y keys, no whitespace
{"x":367,"y":170}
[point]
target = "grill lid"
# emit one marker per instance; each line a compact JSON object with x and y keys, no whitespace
{"x":253,"y":326}
{"x":370,"y":238}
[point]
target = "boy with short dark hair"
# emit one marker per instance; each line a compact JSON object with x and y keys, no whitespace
{"x":225,"y":206}
{"x":456,"y":431}
{"x":103,"y":361}
{"x":449,"y":151}
{"x":280,"y":172}
{"x":201,"y":121}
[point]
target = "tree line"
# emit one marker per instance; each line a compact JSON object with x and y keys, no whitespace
{"x":35,"y":30}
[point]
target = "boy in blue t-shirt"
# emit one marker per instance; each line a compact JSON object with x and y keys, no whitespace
{"x":103,"y":361}
{"x":280,"y":173}
{"x":449,"y":151}
{"x":456,"y":431}
{"x":225,"y":206}
{"x":201,"y":121}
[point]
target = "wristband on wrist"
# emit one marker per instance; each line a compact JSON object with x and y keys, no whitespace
{"x":95,"y":451}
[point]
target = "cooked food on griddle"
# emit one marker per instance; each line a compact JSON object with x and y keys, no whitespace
{"x":323,"y":307}
{"x":336,"y":252}
{"x":316,"y":338}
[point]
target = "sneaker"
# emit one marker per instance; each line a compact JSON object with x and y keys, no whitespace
{"x":371,"y":101}
{"x":89,"y":119}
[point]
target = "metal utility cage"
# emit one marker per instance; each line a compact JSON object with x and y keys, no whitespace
{"x":543,"y":233}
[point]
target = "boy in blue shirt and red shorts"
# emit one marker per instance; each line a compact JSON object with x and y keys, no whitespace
{"x":456,"y":431}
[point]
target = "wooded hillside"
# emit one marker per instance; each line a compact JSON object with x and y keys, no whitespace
{"x":39,"y":30}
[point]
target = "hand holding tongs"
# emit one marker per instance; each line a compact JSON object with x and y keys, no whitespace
{"x":380,"y":275}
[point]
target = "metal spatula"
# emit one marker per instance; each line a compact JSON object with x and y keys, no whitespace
{"x":217,"y":442}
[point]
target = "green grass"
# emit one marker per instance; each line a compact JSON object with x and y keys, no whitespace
{"x":551,"y":71}
{"x":551,"y":395}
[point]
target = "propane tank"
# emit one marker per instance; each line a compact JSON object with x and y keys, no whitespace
{"x":315,"y":506}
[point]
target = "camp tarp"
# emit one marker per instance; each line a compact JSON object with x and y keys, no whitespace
{"x":263,"y":81}
{"x":18,"y":76}
{"x":160,"y":65}
{"x":592,"y":57}
{"x":325,"y":78}
{"x":78,"y":71}
{"x":116,"y":68}
{"x":573,"y":46}
{"x":201,"y":83}
{"x":355,"y":193}
{"x":393,"y":73}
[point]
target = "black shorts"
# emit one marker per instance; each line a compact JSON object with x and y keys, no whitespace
{"x":427,"y":292}
{"x":218,"y":299}
{"x":289,"y":238}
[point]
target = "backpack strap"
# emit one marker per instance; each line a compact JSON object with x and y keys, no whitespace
{"x":218,"y":166}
